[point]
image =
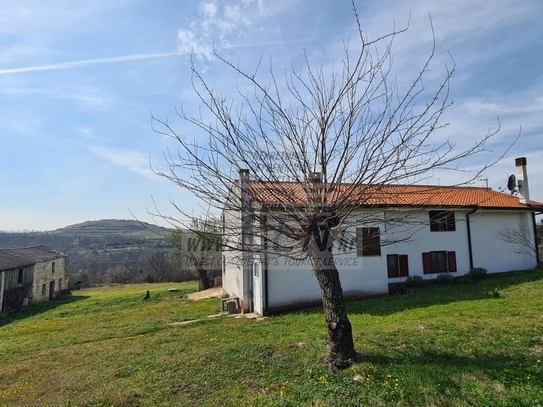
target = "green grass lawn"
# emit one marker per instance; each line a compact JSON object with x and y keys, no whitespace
{"x":466,"y":344}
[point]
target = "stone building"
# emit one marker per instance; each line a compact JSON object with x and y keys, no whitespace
{"x":31,"y":274}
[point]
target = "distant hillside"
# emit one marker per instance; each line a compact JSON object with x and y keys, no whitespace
{"x":97,"y":246}
{"x":108,"y":227}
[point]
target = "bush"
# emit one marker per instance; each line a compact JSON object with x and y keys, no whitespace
{"x":445,"y":278}
{"x":494,"y":293}
{"x":477,"y":273}
{"x":414,"y":281}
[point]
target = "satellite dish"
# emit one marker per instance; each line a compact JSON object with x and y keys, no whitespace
{"x":511,"y":183}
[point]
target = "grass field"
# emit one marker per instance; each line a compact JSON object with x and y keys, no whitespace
{"x":467,"y":344}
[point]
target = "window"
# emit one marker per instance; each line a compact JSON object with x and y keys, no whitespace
{"x":60,"y":283}
{"x":53,"y":267}
{"x":442,"y":221}
{"x":368,"y":242}
{"x":43,"y":289}
{"x":439,"y":262}
{"x":20,"y":276}
{"x":397,"y":265}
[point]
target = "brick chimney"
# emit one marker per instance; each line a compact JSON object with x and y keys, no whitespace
{"x":315,"y":190}
{"x":522,"y":177}
{"x":245,"y":188}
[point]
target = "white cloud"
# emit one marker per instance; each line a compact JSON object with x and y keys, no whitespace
{"x":189,"y":43}
{"x":209,"y":10}
{"x":217,"y":25}
{"x":131,"y":160}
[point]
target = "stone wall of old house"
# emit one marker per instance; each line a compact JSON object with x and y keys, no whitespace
{"x":50,"y":277}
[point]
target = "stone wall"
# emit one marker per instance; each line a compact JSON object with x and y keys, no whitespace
{"x":50,"y":277}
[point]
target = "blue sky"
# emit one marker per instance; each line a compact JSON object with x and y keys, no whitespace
{"x":80,"y":79}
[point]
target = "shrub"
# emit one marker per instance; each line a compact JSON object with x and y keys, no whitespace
{"x":494,"y":293}
{"x":414,"y":281}
{"x":445,"y":278}
{"x":477,"y":273}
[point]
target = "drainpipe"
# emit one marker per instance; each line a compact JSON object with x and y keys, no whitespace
{"x":470,"y":248}
{"x":265,"y":263}
{"x":246,"y":240}
{"x":536,"y":240}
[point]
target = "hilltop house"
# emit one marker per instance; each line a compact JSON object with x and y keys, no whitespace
{"x":30,"y":275}
{"x":411,"y":230}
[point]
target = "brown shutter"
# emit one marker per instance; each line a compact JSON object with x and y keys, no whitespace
{"x":451,"y":259}
{"x":427,"y":262}
{"x":359,"y":242}
{"x":403,"y":265}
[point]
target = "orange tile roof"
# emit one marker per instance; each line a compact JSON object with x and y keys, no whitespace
{"x":292,"y":193}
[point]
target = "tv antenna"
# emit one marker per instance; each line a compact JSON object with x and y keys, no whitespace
{"x":485,"y":180}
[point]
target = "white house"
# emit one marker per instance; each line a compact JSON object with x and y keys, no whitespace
{"x":412,"y":231}
{"x":30,"y":275}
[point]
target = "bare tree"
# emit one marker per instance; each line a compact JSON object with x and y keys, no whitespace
{"x":523,"y":241}
{"x":157,"y":267}
{"x":337,"y":135}
{"x":198,"y":248}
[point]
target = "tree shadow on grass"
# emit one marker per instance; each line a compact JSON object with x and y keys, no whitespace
{"x":39,"y":308}
{"x":440,"y":294}
{"x":505,"y":369}
{"x":434,"y":293}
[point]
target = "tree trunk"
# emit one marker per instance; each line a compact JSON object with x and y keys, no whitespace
{"x":202,"y":275}
{"x":342,"y":352}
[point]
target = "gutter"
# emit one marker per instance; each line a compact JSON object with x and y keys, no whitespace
{"x":265,"y":270}
{"x":536,"y":240}
{"x":470,"y":248}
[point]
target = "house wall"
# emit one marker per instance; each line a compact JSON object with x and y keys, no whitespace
{"x":488,"y":251}
{"x":292,"y":283}
{"x":11,"y":280}
{"x":14,"y":290}
{"x":44,"y":275}
{"x":494,"y":254}
{"x":232,"y":271}
{"x":414,"y":237}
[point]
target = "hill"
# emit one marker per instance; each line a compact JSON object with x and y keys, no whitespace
{"x":94,"y":247}
{"x":111,"y":227}
{"x":466,"y":344}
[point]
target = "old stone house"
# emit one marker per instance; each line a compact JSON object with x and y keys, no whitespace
{"x":30,"y":275}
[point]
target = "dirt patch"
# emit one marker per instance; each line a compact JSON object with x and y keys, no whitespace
{"x":212,"y":292}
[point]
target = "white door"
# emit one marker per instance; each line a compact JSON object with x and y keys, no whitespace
{"x":257,"y":288}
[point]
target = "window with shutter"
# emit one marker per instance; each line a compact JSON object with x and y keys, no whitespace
{"x":397,"y":265}
{"x":368,"y":242}
{"x":403,"y":263}
{"x":427,"y":262}
{"x":392,"y":266}
{"x":442,"y":221}
{"x":451,"y":260}
{"x":439,"y":262}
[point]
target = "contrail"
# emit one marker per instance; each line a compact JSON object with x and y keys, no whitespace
{"x":85,"y":62}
